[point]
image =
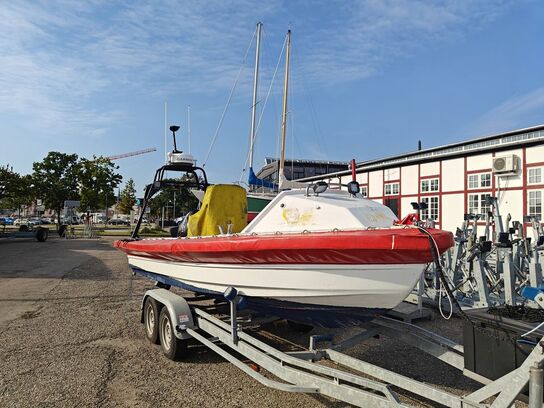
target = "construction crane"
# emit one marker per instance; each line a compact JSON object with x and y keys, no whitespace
{"x":130,"y":154}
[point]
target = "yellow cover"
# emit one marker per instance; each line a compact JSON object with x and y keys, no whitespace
{"x":223,"y":204}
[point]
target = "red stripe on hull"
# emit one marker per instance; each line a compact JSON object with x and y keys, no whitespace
{"x":408,"y":246}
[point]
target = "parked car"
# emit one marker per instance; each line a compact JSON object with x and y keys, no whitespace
{"x":47,"y":220}
{"x":21,"y":221}
{"x":6,"y":221}
{"x":74,"y":220}
{"x":118,"y":221}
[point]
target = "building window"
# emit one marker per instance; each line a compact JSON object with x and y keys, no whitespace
{"x":298,"y":174}
{"x":534,"y":175}
{"x":364,"y":191}
{"x":392,"y":189}
{"x":429,"y":185}
{"x":484,"y":207}
{"x":473,"y":202}
{"x":535,"y":204}
{"x":481,"y":180}
{"x":431,"y":212}
{"x":477,"y":204}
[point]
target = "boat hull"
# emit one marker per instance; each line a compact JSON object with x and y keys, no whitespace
{"x":380,"y":286}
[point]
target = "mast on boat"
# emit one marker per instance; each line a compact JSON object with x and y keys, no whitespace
{"x":255,"y":86}
{"x":281,"y":175}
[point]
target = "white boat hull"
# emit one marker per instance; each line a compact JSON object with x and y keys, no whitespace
{"x":381,"y":286}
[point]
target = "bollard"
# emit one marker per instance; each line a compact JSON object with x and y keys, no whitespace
{"x":536,"y":387}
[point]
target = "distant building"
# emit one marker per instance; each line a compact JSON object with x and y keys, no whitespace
{"x":455,"y":179}
{"x":298,"y":168}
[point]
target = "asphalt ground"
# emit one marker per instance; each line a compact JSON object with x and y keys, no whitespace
{"x":70,"y":336}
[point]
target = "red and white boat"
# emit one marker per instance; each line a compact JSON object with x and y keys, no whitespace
{"x":326,"y":258}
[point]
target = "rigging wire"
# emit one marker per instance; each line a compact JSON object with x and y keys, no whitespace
{"x":264,"y":104}
{"x":313,"y":116}
{"x":228,"y":101}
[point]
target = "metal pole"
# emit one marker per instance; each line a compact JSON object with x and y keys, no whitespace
{"x":420,"y":289}
{"x":234,"y":320}
{"x":174,"y":209}
{"x":165,"y":127}
{"x":536,"y":387}
{"x":255,"y":86}
{"x":162,"y":226}
{"x":189,"y":128}
{"x":281,"y":175}
{"x":105,"y":222}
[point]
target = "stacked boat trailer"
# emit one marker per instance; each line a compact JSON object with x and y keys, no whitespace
{"x":360,"y":383}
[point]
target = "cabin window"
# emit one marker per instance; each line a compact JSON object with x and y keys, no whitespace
{"x":534,"y":175}
{"x":392,"y":189}
{"x":431,"y":212}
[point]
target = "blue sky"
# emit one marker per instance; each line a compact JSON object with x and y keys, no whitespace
{"x":369,"y":78}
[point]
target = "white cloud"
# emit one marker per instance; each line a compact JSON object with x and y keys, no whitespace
{"x":60,"y":59}
{"x":513,"y":113}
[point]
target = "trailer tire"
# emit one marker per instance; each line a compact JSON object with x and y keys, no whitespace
{"x":151,"y":320}
{"x":172,"y":347}
{"x":41,"y":235}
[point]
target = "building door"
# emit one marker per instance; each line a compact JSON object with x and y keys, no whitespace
{"x":393,"y":203}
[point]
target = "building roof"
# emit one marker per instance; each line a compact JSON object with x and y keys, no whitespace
{"x":500,"y":141}
{"x":270,"y":160}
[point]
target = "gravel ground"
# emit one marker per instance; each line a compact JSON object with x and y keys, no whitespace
{"x":70,"y":337}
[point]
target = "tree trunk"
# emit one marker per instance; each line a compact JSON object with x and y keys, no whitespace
{"x":58,"y":210}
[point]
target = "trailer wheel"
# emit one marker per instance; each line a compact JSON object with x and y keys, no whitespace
{"x":151,"y":320}
{"x":172,"y":347}
{"x":41,"y":235}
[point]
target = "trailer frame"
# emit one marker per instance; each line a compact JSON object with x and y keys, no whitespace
{"x":300,"y":371}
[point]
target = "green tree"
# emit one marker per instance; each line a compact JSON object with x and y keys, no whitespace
{"x":55,"y":179}
{"x":15,"y":190}
{"x":128,"y":197}
{"x":185,"y":201}
{"x":8,"y":182}
{"x":97,"y":180}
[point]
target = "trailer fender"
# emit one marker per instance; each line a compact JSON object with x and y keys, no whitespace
{"x":178,"y":308}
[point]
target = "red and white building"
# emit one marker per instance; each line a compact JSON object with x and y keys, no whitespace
{"x":455,"y":179}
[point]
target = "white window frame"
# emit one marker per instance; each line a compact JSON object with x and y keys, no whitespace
{"x":536,"y":177}
{"x":473,"y":203}
{"x":484,"y":208}
{"x":430,"y":185}
{"x":364,"y":191}
{"x":433,"y":208}
{"x":476,"y":203}
{"x":534,"y":203}
{"x":389,"y":189}
{"x":477,"y":181}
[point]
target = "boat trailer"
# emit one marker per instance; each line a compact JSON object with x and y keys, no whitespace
{"x":363,"y":385}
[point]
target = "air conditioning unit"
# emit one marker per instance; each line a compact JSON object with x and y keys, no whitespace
{"x":506,"y":164}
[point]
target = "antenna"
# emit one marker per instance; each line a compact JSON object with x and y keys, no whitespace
{"x":174,"y":129}
{"x":165,"y":118}
{"x":189,"y":126}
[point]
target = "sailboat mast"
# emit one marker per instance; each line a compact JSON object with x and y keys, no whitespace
{"x":281,"y":175}
{"x":255,"y":86}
